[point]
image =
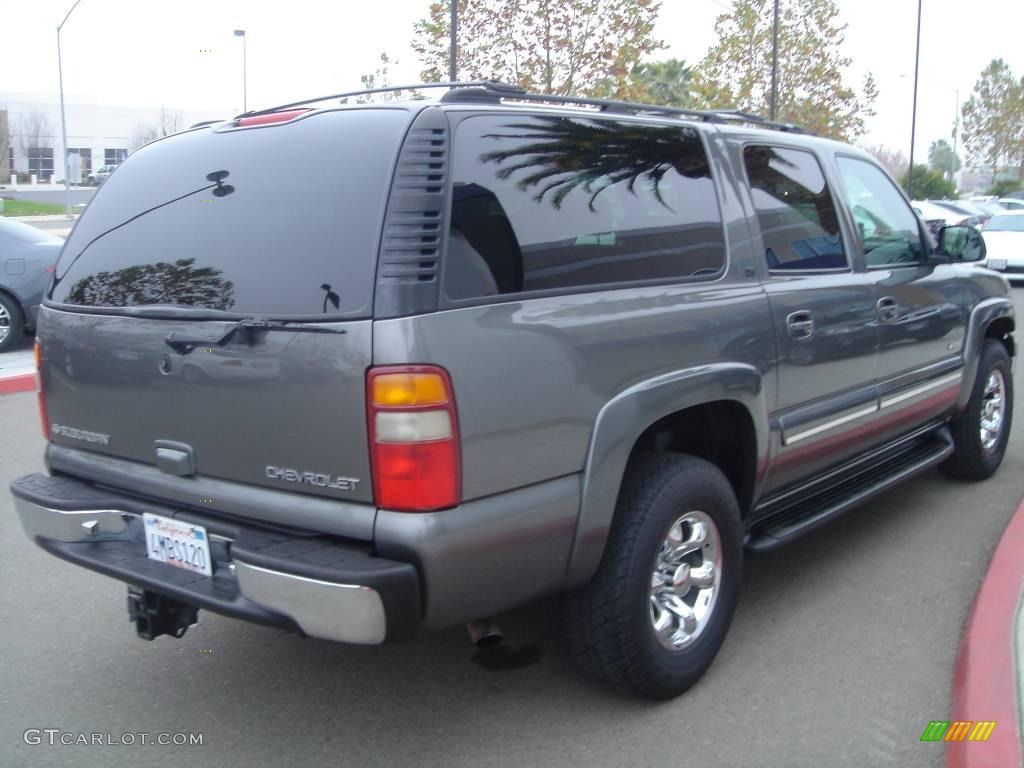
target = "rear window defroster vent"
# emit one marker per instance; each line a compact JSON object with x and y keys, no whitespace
{"x":407,"y":272}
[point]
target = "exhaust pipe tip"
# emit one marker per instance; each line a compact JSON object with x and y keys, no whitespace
{"x":484,"y":633}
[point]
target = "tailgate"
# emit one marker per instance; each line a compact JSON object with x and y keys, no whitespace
{"x":285,"y":411}
{"x":272,"y":230}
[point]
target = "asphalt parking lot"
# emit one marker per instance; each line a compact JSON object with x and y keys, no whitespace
{"x":841,"y":652}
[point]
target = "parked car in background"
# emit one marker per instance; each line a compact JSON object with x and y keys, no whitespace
{"x":979,"y":213}
{"x":27,"y":258}
{"x":959,"y":213}
{"x":100,"y":175}
{"x":1004,"y":241}
{"x":990,"y":205}
{"x":1012,"y":203}
{"x":935,"y":217}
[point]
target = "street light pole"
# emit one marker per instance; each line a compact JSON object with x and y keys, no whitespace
{"x":63,"y":120}
{"x":775,"y":61}
{"x":245,"y":98}
{"x":453,"y":46}
{"x":913,"y":114}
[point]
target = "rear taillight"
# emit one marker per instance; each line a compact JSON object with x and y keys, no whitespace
{"x":414,"y":438}
{"x":40,"y":394}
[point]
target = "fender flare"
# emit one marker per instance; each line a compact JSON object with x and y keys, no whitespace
{"x":982,"y":316}
{"x":621,"y":422}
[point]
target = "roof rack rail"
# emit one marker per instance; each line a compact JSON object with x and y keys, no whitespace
{"x":491,"y":86}
{"x":495,"y":92}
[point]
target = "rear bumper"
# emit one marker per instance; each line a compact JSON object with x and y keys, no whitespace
{"x":310,"y":584}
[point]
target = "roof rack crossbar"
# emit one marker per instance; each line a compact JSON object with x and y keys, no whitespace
{"x":490,"y":85}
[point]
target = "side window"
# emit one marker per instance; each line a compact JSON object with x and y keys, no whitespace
{"x":541,"y":202}
{"x":795,"y":210}
{"x":888,"y":228}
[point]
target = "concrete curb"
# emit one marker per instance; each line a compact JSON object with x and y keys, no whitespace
{"x":25,"y":382}
{"x":987,"y":676}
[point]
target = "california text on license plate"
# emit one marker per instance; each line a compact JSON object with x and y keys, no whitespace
{"x":182,"y":545}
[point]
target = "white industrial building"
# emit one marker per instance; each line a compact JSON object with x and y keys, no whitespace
{"x":98,"y":134}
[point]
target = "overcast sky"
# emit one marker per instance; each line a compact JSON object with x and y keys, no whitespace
{"x":181,"y":53}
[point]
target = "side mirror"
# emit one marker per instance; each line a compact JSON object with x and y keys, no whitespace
{"x":961,"y":243}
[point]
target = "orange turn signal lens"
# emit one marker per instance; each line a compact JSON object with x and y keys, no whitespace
{"x":408,"y":389}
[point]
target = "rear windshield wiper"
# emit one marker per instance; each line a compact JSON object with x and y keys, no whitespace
{"x":246,"y":329}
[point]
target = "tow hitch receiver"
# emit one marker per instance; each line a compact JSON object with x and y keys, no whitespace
{"x":156,"y":614}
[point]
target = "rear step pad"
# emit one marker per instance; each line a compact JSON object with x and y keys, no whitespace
{"x":795,"y":514}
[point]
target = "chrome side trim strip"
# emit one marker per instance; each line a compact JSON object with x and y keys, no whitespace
{"x":920,"y":390}
{"x":798,"y":436}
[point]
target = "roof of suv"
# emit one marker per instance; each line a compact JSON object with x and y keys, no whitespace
{"x":492,"y":95}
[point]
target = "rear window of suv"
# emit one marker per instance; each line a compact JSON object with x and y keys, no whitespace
{"x":542,"y":202}
{"x":280,"y":221}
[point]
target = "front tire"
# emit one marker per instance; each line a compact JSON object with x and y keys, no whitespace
{"x":981,"y":432}
{"x":12,"y":323}
{"x":652,"y":619}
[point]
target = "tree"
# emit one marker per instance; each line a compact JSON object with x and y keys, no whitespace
{"x":928,"y":185}
{"x":942,"y":158}
{"x":577,"y":47}
{"x":35,"y":131}
{"x":813,"y":90}
{"x":170,"y":121}
{"x":5,"y":144}
{"x":994,"y":119}
{"x":160,"y":283}
{"x":667,"y":83}
{"x":894,"y":161}
{"x":380,"y":78}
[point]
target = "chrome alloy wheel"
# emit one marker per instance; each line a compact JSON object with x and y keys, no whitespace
{"x":5,"y":323}
{"x":685,"y":580}
{"x":993,"y":408}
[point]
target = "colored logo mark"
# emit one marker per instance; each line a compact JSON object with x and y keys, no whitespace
{"x":958,"y":730}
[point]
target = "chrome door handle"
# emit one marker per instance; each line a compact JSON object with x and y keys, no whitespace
{"x":887,"y":309}
{"x":800,"y":325}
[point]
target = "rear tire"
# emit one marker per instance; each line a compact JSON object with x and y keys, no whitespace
{"x":12,"y":323}
{"x":981,"y":432}
{"x":628,"y":627}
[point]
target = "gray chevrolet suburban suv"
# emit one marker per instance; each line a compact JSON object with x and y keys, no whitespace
{"x":358,"y":369}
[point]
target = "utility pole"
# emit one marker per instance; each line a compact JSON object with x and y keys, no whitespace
{"x":63,"y":120}
{"x":245,"y":77}
{"x":913,"y":114}
{"x":453,"y":47}
{"x":956,"y":126}
{"x":775,"y":62}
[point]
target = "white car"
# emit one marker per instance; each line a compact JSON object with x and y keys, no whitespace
{"x":1004,"y":243}
{"x":1012,"y":203}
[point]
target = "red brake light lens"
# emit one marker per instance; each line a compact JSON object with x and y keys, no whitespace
{"x":414,"y":438}
{"x":272,"y":117}
{"x":44,"y":421}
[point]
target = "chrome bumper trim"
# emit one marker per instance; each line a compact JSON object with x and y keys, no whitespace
{"x":348,"y":613}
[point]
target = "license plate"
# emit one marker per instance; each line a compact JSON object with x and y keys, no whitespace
{"x":999,"y":264}
{"x":182,"y":545}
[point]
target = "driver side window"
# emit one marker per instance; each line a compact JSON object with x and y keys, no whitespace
{"x":887,"y":227}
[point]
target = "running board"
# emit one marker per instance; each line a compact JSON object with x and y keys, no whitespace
{"x":791,"y":514}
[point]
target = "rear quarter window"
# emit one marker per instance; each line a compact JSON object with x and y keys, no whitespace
{"x":282,"y":220}
{"x":550,"y":202}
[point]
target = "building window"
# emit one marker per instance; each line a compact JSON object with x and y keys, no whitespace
{"x":10,"y":159}
{"x":86,"y":154}
{"x":114,"y":156}
{"x":40,"y":162}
